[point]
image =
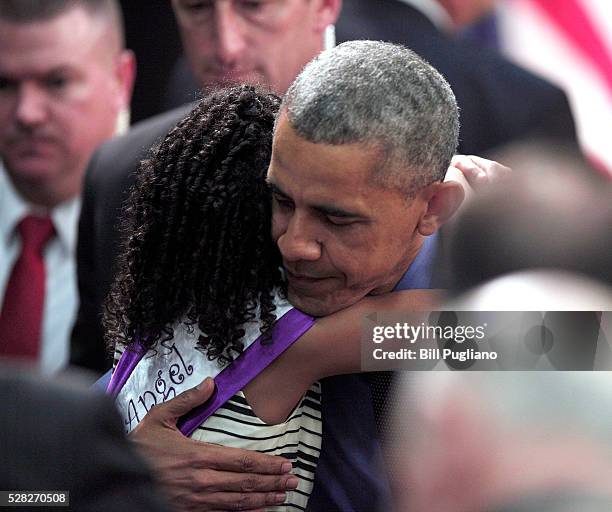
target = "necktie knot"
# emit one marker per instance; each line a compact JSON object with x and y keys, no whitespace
{"x":35,"y":232}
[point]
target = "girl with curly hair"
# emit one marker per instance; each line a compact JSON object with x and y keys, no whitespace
{"x":200,"y":278}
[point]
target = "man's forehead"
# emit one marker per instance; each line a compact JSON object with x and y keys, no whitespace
{"x":269,"y":11}
{"x":63,"y":38}
{"x":247,"y":4}
{"x":315,"y":166}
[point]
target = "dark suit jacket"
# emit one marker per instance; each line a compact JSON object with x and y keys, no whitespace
{"x":499,"y":102}
{"x":55,"y":438}
{"x":108,"y":178}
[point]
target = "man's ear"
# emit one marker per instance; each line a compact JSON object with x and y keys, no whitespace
{"x":327,"y":13}
{"x":125,"y":72}
{"x":443,"y":200}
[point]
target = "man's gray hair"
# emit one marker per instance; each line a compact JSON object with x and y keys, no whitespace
{"x":383,"y":95}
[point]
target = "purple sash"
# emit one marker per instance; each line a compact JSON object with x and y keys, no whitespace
{"x":232,"y":378}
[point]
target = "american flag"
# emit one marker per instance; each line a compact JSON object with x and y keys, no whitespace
{"x":569,"y":42}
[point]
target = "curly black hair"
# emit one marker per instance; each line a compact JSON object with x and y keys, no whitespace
{"x":197,"y":245}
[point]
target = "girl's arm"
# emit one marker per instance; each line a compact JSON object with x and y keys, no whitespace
{"x":332,"y":346}
{"x":334,"y":342}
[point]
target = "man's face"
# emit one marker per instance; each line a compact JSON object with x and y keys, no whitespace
{"x":341,"y":235}
{"x":259,"y":41}
{"x":59,"y":99}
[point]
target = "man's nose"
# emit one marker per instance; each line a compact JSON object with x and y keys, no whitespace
{"x":31,"y":107}
{"x":230,"y":30}
{"x":298,"y":241}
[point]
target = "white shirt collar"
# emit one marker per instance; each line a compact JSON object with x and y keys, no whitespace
{"x":434,"y":12}
{"x":13,"y":208}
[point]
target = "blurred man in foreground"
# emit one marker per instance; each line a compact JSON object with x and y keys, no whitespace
{"x":554,"y":212}
{"x":59,"y":437}
{"x":484,"y":441}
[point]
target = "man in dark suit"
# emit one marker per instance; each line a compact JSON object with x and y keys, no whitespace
{"x":224,"y":42}
{"x":54,"y":437}
{"x":499,"y":102}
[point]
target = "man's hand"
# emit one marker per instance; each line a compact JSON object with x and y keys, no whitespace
{"x":202,"y":476}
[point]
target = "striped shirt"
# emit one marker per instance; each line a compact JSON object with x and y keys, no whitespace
{"x":298,"y":439}
{"x":175,"y":366}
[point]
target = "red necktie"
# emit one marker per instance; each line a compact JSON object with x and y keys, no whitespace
{"x":24,"y":298}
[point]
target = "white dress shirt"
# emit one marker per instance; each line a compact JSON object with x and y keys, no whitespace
{"x":61,"y":296}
